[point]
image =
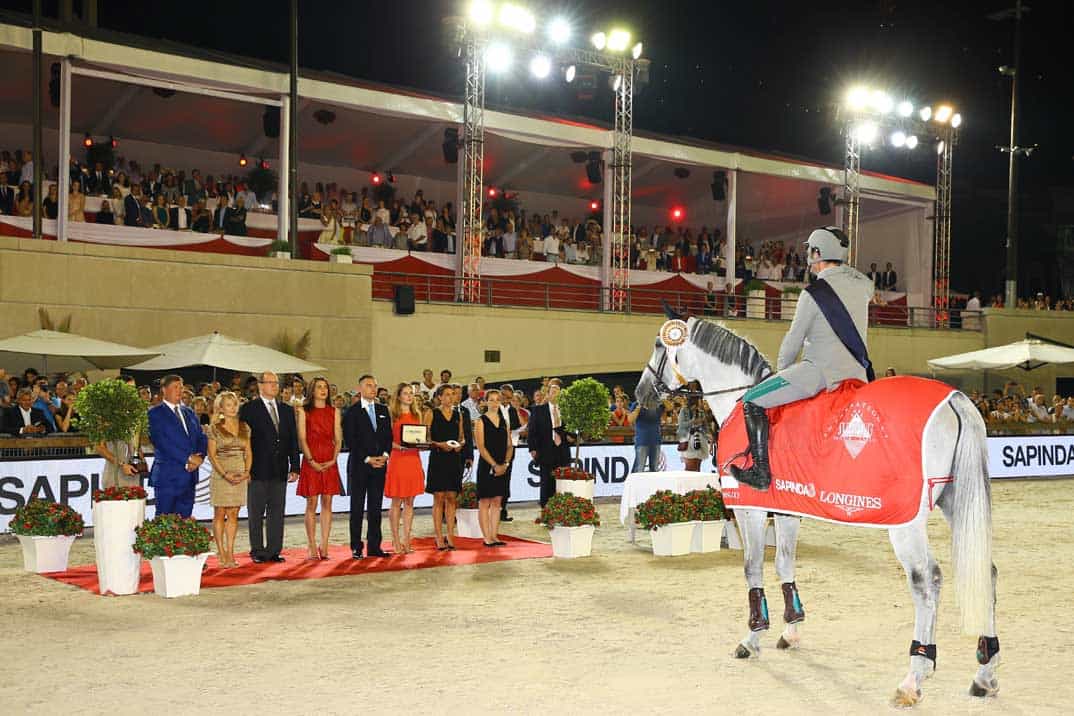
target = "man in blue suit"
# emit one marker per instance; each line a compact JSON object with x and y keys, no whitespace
{"x":179,"y":448}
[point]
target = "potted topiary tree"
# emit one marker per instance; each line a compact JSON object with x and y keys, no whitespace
{"x":571,"y":520}
{"x":176,"y":548}
{"x":664,"y":515}
{"x":341,"y":255}
{"x":755,"y":298}
{"x":112,"y":413}
{"x":706,"y":510}
{"x":788,"y":302}
{"x":46,"y":531}
{"x":583,"y":406}
{"x":279,"y":249}
{"x":466,"y":519}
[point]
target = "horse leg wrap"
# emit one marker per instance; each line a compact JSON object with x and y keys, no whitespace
{"x":758,"y":610}
{"x":793,"y":613}
{"x":987,"y":647}
{"x":926,"y":650}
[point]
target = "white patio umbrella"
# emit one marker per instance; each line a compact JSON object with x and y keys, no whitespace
{"x":68,"y":352}
{"x":1026,"y":354}
{"x":220,"y":351}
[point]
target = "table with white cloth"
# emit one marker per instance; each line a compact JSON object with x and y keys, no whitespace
{"x":640,"y":486}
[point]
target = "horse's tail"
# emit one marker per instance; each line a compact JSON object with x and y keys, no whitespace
{"x":972,"y":519}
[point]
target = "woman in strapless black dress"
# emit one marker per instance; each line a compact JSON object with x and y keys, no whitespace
{"x":444,"y":476}
{"x":494,"y":446}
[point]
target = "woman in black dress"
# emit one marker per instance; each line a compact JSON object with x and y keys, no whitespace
{"x":444,"y":476}
{"x":494,"y":447}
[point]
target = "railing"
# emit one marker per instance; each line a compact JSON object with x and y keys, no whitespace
{"x":515,"y":292}
{"x":48,"y":446}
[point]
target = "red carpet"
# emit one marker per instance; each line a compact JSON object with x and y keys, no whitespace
{"x":339,"y":563}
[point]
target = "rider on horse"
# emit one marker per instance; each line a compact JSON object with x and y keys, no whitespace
{"x":824,"y":334}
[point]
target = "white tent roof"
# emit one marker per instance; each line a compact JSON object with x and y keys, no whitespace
{"x":1026,"y":354}
{"x":220,"y":351}
{"x":68,"y":352}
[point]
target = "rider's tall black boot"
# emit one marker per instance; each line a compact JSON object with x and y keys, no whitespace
{"x":758,"y":475}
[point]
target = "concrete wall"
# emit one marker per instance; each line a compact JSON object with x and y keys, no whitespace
{"x":145,"y":297}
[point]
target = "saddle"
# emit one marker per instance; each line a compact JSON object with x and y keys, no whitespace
{"x":851,"y":456}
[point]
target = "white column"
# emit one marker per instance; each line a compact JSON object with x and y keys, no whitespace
{"x":64,"y":163}
{"x":283,"y":188}
{"x":732,"y":205}
{"x":606,"y":233}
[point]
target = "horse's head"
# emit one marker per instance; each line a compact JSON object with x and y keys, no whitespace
{"x":662,"y":376}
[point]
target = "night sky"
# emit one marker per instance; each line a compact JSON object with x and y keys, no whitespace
{"x":760,"y":74}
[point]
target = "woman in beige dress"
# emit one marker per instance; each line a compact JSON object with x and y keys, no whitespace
{"x":231,"y":458}
{"x":76,"y":203}
{"x":118,"y":470}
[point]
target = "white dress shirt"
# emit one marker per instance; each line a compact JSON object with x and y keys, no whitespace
{"x":27,"y":418}
{"x":173,"y":407}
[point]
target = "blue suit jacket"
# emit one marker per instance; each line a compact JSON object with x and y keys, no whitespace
{"x":171,"y":448}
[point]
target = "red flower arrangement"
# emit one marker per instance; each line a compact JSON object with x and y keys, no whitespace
{"x":567,"y":510}
{"x":467,"y":499}
{"x":170,"y":536}
{"x":43,"y":518}
{"x":108,"y":494}
{"x":572,"y":473}
{"x":705,"y":505}
{"x":662,"y":508}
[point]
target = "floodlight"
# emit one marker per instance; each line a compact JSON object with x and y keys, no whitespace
{"x":540,"y":66}
{"x":481,"y":12}
{"x":618,"y":40}
{"x":615,"y":82}
{"x":906,"y":108}
{"x":866,"y":132}
{"x":925,"y":114}
{"x":940,"y":146}
{"x":599,"y":40}
{"x":882,"y":102}
{"x":242,"y":160}
{"x":898,"y":139}
{"x":857,"y":98}
{"x":559,"y":31}
{"x":87,"y":141}
{"x":636,"y":51}
{"x":943,"y":113}
{"x":911,"y":141}
{"x":569,"y":73}
{"x":498,"y":58}
{"x":956,"y":120}
{"x":517,"y":17}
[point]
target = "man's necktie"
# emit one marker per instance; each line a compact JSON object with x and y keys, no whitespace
{"x":372,"y":415}
{"x":555,"y":424}
{"x":179,"y":414}
{"x":274,"y":415}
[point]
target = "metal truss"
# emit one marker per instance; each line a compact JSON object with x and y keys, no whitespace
{"x":619,"y":231}
{"x":852,"y":190}
{"x":470,"y":235}
{"x":941,"y":245}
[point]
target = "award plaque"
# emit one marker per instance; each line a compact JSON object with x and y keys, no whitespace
{"x":415,"y":435}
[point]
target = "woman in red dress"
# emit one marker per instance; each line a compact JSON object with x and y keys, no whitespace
{"x":406,"y":478}
{"x":320,"y":437}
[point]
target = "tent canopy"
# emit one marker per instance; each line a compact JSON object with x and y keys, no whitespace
{"x":220,"y":351}
{"x":68,"y":352}
{"x":1026,"y":354}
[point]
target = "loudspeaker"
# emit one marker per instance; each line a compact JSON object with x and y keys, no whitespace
{"x":403,"y":300}
{"x":594,"y":169}
{"x":450,"y":147}
{"x":719,"y":186}
{"x":54,"y":84}
{"x":271,"y":122}
{"x":824,"y":201}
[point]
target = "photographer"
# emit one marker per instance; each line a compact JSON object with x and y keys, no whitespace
{"x":694,"y":434}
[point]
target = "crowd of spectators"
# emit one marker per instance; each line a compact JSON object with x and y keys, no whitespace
{"x":1014,"y":406}
{"x":1040,"y":302}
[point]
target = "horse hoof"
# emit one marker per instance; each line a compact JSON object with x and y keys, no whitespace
{"x":983,"y":691}
{"x":905,"y":698}
{"x":741,"y":652}
{"x":783,"y":644}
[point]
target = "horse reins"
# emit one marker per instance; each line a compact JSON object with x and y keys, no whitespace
{"x":663,"y":388}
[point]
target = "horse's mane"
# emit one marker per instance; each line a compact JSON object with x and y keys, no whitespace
{"x":726,"y":346}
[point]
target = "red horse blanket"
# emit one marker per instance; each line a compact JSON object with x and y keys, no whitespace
{"x":851,"y":456}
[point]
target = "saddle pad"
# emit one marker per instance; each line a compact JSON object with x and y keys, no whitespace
{"x":851,"y":456}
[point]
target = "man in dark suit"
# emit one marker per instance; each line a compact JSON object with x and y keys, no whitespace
{"x":98,"y":181}
{"x":179,"y":448}
{"x":220,"y":215}
{"x":7,"y":196}
{"x":132,"y":207}
{"x":888,"y":278}
{"x":367,"y":431}
{"x":469,"y":446}
{"x":548,"y":441}
{"x":179,"y":216}
{"x":24,"y":419}
{"x":874,"y":276}
{"x":513,"y":422}
{"x":274,"y":442}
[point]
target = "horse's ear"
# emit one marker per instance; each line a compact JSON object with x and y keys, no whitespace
{"x":671,"y":313}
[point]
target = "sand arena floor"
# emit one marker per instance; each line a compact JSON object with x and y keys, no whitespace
{"x":621,"y":632}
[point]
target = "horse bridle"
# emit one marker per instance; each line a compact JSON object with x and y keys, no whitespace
{"x":662,"y":388}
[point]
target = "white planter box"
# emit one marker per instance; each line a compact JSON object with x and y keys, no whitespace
{"x":281,"y":254}
{"x":178,"y":576}
{"x":707,"y":536}
{"x":672,"y":540}
{"x":46,"y":554}
{"x":787,"y":308}
{"x":340,"y":258}
{"x":581,"y":488}
{"x":467,"y":524}
{"x":755,"y":304}
{"x":118,"y":566}
{"x":571,"y":542}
